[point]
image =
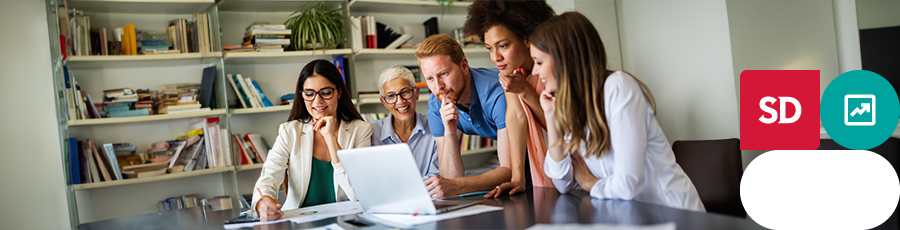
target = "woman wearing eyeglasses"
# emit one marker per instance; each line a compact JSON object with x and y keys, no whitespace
{"x":304,"y":158}
{"x":399,"y":94}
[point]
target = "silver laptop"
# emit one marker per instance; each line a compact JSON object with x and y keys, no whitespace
{"x":386,"y":180}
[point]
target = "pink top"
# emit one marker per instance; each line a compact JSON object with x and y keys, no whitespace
{"x":536,"y":144}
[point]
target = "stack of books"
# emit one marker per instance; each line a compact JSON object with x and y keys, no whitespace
{"x":237,"y":49}
{"x":248,"y":92}
{"x":178,"y":99}
{"x":120,"y":103}
{"x":267,"y":38}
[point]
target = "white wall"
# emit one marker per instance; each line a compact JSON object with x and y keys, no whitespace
{"x":682,"y":51}
{"x":33,"y":185}
{"x":877,"y":13}
{"x":784,"y":35}
{"x":602,"y":14}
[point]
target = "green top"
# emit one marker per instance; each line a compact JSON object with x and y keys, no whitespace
{"x":321,"y":184}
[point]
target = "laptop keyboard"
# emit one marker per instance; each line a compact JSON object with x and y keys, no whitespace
{"x":440,"y":205}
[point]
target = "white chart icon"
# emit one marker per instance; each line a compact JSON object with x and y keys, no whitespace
{"x":858,"y":110}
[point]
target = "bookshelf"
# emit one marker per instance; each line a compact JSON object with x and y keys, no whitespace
{"x":249,"y":167}
{"x":142,"y":6}
{"x":407,"y":7}
{"x":276,"y":73}
{"x":271,"y":5}
{"x":280,"y":57}
{"x":170,"y":176}
{"x":409,"y":53}
{"x":73,"y":59}
{"x":159,"y":117}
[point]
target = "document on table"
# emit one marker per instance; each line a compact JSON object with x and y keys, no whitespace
{"x":332,"y":226}
{"x":664,"y":226}
{"x":307,"y":214}
{"x":407,"y":221}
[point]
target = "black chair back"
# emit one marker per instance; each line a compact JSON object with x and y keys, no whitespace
{"x":715,"y":168}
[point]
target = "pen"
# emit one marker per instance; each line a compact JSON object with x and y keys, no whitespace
{"x":261,"y":195}
{"x":308,"y":213}
{"x":473,"y":194}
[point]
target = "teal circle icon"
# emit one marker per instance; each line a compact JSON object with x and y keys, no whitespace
{"x":860,"y":110}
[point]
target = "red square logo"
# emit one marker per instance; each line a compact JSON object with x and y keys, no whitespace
{"x":779,"y":109}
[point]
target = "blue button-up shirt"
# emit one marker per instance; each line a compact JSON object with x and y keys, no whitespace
{"x":421,"y":142}
{"x":486,"y":115}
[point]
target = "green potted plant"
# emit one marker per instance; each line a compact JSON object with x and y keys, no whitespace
{"x":316,"y":25}
{"x":445,"y":5}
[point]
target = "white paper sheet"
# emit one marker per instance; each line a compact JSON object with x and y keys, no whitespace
{"x":302,"y":215}
{"x":405,"y":220}
{"x":332,"y":226}
{"x":325,"y":211}
{"x":665,"y":226}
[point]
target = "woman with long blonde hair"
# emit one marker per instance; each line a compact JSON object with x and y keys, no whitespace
{"x":601,"y":124}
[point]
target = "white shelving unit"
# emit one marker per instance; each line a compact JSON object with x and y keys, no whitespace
{"x":159,"y":117}
{"x":276,"y":73}
{"x":408,"y":7}
{"x":170,"y":176}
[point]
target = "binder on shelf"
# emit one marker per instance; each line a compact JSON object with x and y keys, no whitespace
{"x":74,"y":169}
{"x":207,"y":86}
{"x":257,"y":100}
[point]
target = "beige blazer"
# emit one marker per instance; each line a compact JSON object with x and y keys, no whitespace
{"x":293,"y":152}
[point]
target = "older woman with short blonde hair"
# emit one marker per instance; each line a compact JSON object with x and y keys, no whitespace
{"x":399,"y":94}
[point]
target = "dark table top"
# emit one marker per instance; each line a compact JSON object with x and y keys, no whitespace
{"x":539,"y":205}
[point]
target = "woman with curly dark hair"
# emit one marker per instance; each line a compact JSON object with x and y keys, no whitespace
{"x":505,"y":27}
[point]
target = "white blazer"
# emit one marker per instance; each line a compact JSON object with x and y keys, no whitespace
{"x":293,"y":151}
{"x":640,"y":164}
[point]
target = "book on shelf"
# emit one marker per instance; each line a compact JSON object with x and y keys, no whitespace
{"x":93,"y":170}
{"x":262,"y":96}
{"x":144,"y":167}
{"x":257,"y":145}
{"x":70,"y":94}
{"x":144,"y":173}
{"x":110,"y":155}
{"x":191,"y":154}
{"x":102,"y":162}
{"x":248,"y":91}
{"x":399,"y":41}
{"x":225,"y":146}
{"x":474,"y":142}
{"x":238,"y":90}
{"x":356,"y":34}
{"x":239,"y":151}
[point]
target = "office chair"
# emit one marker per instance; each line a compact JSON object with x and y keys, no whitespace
{"x":715,"y":168}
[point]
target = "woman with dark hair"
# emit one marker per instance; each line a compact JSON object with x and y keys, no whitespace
{"x":602,"y":123}
{"x":505,"y":26}
{"x":304,"y":158}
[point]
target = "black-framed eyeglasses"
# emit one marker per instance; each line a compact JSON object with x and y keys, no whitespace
{"x":324,"y":93}
{"x":406,"y":94}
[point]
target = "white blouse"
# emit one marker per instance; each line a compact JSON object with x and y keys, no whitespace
{"x":640,"y":164}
